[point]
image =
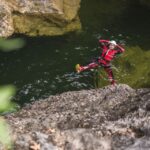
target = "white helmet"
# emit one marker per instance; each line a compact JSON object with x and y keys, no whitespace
{"x":113,"y":42}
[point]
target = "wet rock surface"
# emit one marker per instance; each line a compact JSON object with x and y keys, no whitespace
{"x":109,"y":118}
{"x":38,"y":17}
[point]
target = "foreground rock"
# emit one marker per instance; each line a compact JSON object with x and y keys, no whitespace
{"x":38,"y":17}
{"x":109,"y":118}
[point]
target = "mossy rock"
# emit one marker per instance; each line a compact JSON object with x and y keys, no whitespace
{"x":34,"y":25}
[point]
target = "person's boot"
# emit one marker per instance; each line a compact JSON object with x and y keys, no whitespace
{"x":78,"y":68}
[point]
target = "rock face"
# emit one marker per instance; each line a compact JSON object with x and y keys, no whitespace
{"x":109,"y":118}
{"x":38,"y":17}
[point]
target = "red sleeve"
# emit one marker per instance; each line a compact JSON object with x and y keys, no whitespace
{"x":103,"y":41}
{"x":121,"y":49}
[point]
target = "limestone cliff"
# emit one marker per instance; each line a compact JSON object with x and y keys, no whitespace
{"x":38,"y":17}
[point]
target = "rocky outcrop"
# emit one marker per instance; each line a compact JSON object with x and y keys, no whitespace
{"x":40,"y":17}
{"x":108,"y":118}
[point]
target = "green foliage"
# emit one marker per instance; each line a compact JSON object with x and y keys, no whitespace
{"x":5,"y":137}
{"x":11,"y":44}
{"x":6,"y":93}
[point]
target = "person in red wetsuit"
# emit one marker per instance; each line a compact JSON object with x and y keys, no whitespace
{"x":109,"y":50}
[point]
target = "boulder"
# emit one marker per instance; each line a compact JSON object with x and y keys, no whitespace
{"x":113,"y":117}
{"x":40,"y":17}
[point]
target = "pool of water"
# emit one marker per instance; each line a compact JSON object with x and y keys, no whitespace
{"x":45,"y":65}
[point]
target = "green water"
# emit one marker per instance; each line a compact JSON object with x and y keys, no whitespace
{"x":45,"y":65}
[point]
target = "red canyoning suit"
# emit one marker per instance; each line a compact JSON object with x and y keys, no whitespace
{"x":105,"y":59}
